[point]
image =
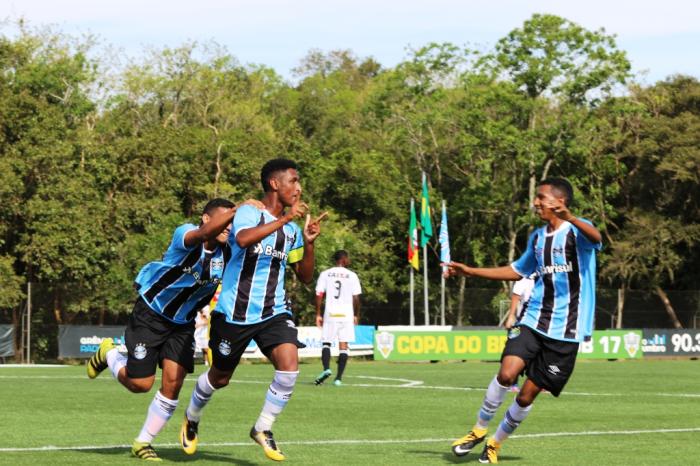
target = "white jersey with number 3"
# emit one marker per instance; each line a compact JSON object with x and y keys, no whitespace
{"x":339,"y":285}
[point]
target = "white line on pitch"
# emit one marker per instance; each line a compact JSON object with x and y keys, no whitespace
{"x":413,"y":384}
{"x":361,"y":441}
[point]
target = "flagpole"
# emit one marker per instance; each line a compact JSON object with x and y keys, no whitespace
{"x":442,"y":283}
{"x":425,"y":283}
{"x":425,"y":273}
{"x":412,"y":316}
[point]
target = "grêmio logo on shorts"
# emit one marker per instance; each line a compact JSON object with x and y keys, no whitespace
{"x":513,"y":333}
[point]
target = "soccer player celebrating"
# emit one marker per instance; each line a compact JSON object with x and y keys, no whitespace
{"x":161,"y":328}
{"x":253,"y":305}
{"x":557,"y":317}
{"x":342,"y":290}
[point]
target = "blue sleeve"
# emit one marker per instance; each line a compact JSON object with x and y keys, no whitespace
{"x":296,"y":252}
{"x":527,"y":263}
{"x":583,"y":241}
{"x":178,"y":242}
{"x":246,"y":216}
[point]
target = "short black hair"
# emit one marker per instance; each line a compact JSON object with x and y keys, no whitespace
{"x":339,"y":255}
{"x":273,"y":166}
{"x":562,"y":186}
{"x":217,"y":202}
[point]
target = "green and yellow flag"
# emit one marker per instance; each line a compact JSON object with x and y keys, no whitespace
{"x":413,"y":239}
{"x":426,"y":231}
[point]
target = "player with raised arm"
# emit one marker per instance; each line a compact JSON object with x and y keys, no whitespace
{"x":253,"y":304}
{"x":341,"y":289}
{"x":557,"y":317}
{"x":161,"y":328}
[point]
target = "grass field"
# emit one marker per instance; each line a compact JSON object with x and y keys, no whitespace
{"x":622,"y":412}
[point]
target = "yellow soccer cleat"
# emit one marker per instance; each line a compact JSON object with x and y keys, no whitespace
{"x":144,"y":451}
{"x":490,"y":453}
{"x":267,"y":442}
{"x":464,"y":445}
{"x":98,"y":361}
{"x":189,"y":436}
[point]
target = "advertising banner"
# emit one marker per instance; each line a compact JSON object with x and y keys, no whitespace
{"x":81,"y":341}
{"x":311,"y":337}
{"x":612,"y":344}
{"x":671,"y":342}
{"x":487,"y":345}
{"x":7,"y":341}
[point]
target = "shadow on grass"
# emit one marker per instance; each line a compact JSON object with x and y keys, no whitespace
{"x":449,"y":457}
{"x":170,"y":454}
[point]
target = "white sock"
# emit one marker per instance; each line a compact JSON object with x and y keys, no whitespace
{"x":159,"y":412}
{"x":514,"y":416}
{"x":492,"y":401}
{"x":278,"y":395}
{"x":115,"y":361}
{"x":201,"y":395}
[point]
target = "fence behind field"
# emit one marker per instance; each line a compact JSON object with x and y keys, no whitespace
{"x":35,"y":325}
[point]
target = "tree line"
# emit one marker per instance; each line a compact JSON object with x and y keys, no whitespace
{"x":99,"y":164}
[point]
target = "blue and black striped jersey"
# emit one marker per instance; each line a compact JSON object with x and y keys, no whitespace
{"x":562,"y":302}
{"x":253,"y":284}
{"x":185,"y":280}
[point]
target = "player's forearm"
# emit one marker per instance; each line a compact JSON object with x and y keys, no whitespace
{"x":319,"y":304}
{"x":514,"y":300}
{"x":588,"y":230}
{"x":250,"y":236}
{"x":493,"y":273}
{"x":209,"y":230}
{"x":356,"y":306}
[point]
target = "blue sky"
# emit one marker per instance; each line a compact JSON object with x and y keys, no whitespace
{"x":661,"y":38}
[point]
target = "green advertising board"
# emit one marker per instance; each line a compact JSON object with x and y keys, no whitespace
{"x":487,"y":345}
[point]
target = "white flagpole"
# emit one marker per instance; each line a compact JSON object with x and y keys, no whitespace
{"x":412,"y":316}
{"x":425,"y":283}
{"x":425,"y":271}
{"x":442,"y":283}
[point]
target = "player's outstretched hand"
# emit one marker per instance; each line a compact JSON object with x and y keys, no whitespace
{"x":312,"y":228}
{"x":452,"y":269}
{"x":298,"y":210}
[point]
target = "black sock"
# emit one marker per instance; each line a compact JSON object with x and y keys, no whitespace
{"x":342,"y":360}
{"x":326,"y":357}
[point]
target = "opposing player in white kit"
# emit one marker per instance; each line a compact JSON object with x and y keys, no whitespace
{"x":342,"y":290}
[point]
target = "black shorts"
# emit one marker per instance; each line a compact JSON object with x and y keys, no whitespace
{"x":228,"y":342}
{"x":549,"y":362}
{"x":150,"y":338}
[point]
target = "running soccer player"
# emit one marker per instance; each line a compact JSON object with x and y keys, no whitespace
{"x":557,"y":317}
{"x":342,"y":290}
{"x":518,"y":297}
{"x":161,"y":328}
{"x":253,"y":305}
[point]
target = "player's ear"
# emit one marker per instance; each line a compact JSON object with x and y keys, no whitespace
{"x":205,"y":218}
{"x":274,"y":182}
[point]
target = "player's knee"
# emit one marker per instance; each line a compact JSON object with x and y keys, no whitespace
{"x":219,"y":380}
{"x":507,"y":378}
{"x":524,"y":400}
{"x":140,"y":386}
